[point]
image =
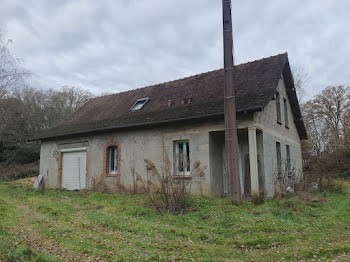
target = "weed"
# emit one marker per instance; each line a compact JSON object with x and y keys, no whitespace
{"x":167,"y":192}
{"x":118,"y":227}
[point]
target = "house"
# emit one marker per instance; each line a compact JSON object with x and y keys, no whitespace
{"x":110,"y":136}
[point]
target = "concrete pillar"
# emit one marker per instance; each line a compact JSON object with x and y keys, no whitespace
{"x":253,"y":160}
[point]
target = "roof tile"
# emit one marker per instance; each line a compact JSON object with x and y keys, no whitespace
{"x":255,"y":82}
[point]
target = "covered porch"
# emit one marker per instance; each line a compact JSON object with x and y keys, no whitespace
{"x":251,"y":162}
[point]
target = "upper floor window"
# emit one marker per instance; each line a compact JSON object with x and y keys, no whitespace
{"x":278,"y":107}
{"x":285,"y":105}
{"x":182,"y":158}
{"x":139,"y":104}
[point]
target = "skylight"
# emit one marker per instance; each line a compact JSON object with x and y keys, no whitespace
{"x":139,"y":104}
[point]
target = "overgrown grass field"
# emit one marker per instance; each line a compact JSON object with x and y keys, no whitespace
{"x":57,"y":225}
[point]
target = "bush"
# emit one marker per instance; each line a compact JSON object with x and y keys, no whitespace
{"x":21,"y":154}
{"x":27,"y":153}
{"x":167,"y":193}
{"x":14,"y":172}
{"x":345,"y":174}
{"x":307,"y":185}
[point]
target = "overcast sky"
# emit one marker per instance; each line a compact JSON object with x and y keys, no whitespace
{"x":112,"y":46}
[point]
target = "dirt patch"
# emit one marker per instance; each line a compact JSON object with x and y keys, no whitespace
{"x":29,"y":182}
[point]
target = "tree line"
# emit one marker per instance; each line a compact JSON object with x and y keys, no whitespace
{"x":26,"y":111}
{"x":327,"y":121}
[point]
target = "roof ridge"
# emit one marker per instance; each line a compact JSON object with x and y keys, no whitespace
{"x":161,"y":83}
{"x":264,"y":58}
{"x":187,"y":77}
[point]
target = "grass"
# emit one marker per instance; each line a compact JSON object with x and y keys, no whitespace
{"x":59,"y":225}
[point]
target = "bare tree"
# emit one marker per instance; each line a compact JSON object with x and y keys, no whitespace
{"x":327,"y":117}
{"x":61,"y":104}
{"x":346,"y":126}
{"x":11,"y":73}
{"x":301,"y":78}
{"x":331,"y":107}
{"x":315,"y":130}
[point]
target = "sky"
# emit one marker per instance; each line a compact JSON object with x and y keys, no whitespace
{"x":112,"y":46}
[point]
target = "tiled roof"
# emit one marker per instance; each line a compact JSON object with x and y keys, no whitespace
{"x":256,"y":84}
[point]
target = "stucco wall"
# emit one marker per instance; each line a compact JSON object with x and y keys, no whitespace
{"x":154,"y":144}
{"x":274,"y":132}
{"x":135,"y":146}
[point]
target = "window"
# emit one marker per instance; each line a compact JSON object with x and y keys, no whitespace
{"x":279,"y":159}
{"x":182,"y":158}
{"x":139,"y":104}
{"x":112,"y":160}
{"x":285,"y":105}
{"x":289,"y":167}
{"x":278,"y":107}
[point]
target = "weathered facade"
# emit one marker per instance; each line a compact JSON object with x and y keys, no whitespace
{"x":94,"y":146}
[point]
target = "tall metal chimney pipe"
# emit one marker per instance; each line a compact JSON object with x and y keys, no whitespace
{"x":231,"y":139}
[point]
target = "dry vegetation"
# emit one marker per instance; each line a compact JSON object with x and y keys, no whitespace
{"x":327,"y":120}
{"x":77,"y":226}
{"x":17,"y":171}
{"x":167,"y":192}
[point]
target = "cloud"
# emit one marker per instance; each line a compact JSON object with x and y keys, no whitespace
{"x":112,"y":46}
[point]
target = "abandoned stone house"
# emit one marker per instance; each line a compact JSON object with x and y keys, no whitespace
{"x":110,"y":136}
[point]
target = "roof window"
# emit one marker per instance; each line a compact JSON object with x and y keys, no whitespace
{"x":139,"y":104}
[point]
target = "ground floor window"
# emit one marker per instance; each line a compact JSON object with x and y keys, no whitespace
{"x":112,"y":159}
{"x":289,"y":167}
{"x":279,"y":158}
{"x":182,"y":158}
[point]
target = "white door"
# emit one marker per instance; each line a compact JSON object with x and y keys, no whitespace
{"x":73,"y":170}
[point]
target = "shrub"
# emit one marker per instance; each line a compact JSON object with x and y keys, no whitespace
{"x":167,"y":193}
{"x":345,"y":174}
{"x":306,"y":185}
{"x":286,"y":179}
{"x":26,"y":154}
{"x":14,"y":172}
{"x":17,"y":152}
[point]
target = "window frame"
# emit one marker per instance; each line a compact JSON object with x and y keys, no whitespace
{"x":144,"y":101}
{"x":185,"y":173}
{"x":106,"y":159}
{"x":289,"y":162}
{"x":278,"y":108}
{"x":285,"y":108}
{"x":279,"y":158}
{"x":115,"y":160}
